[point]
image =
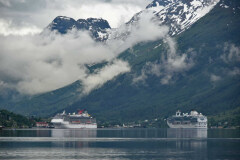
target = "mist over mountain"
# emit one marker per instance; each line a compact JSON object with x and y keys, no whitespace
{"x":177,"y":15}
{"x":172,"y":55}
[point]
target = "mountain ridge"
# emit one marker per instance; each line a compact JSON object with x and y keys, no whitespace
{"x":203,"y":87}
{"x":96,"y":26}
{"x":219,"y":95}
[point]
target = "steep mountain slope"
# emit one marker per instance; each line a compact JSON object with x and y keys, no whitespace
{"x":47,"y":103}
{"x":209,"y":84}
{"x":179,"y":15}
{"x":96,"y":27}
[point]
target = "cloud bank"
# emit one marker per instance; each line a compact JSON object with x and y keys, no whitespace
{"x":34,"y":64}
{"x":231,"y":53}
{"x":215,"y":78}
{"x":144,"y":30}
{"x":171,"y":64}
{"x":8,"y":28}
{"x":105,"y":74}
{"x":33,"y":15}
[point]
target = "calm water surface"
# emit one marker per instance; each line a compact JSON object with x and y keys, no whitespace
{"x":120,"y":144}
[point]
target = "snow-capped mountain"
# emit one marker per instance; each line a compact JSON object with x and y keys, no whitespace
{"x":158,"y":5}
{"x":96,"y":26}
{"x":179,"y":15}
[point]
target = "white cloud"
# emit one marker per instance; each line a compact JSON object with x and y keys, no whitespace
{"x":231,"y":53}
{"x":169,"y":65}
{"x":230,"y":56}
{"x":234,"y":72}
{"x":214,"y":78}
{"x":39,"y":63}
{"x":105,"y":74}
{"x":8,"y":28}
{"x":41,"y":12}
{"x":143,"y":31}
{"x":141,"y":78}
{"x":6,"y":3}
{"x":115,"y":14}
{"x":33,"y":64}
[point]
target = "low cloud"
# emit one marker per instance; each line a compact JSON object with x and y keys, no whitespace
{"x":231,"y":53}
{"x":144,"y":30}
{"x":234,"y":72}
{"x":41,"y":12}
{"x":169,"y":65}
{"x":6,"y":3}
{"x":214,"y":78}
{"x":230,"y":56}
{"x":34,"y":64}
{"x":105,"y":74}
{"x":8,"y":28}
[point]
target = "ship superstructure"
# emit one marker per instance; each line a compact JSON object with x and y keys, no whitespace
{"x":80,"y":120}
{"x":185,"y":120}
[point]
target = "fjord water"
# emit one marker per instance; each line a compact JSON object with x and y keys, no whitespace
{"x":121,"y":144}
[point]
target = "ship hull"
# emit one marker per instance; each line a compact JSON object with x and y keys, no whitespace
{"x":185,"y":120}
{"x":74,"y":121}
{"x":75,"y":126}
{"x":186,"y":125}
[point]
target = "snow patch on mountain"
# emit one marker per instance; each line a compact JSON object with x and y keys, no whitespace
{"x":97,"y":27}
{"x":157,"y":8}
{"x":179,"y":15}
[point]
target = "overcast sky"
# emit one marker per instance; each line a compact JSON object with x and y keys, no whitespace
{"x":31,"y":16}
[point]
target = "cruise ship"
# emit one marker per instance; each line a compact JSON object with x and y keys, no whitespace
{"x":185,"y":120}
{"x":80,"y":120}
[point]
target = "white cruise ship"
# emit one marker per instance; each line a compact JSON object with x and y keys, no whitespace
{"x":80,"y":120}
{"x":185,"y":120}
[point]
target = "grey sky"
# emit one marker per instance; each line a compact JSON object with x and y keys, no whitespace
{"x":23,"y":16}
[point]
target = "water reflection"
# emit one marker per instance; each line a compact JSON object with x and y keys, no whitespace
{"x":119,"y":144}
{"x":186,"y":133}
{"x":41,"y":133}
{"x":132,"y":133}
{"x":77,"y":133}
{"x":194,"y":140}
{"x":73,"y":133}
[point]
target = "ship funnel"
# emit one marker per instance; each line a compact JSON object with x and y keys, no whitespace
{"x":178,"y":113}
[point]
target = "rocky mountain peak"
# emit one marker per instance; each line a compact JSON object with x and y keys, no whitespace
{"x":178,"y":15}
{"x":96,"y":26}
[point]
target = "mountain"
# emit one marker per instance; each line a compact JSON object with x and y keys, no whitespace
{"x":179,"y":15}
{"x":210,"y":85}
{"x":96,"y":26}
{"x":157,"y":5}
{"x":209,"y":81}
{"x":47,"y":103}
{"x":11,"y":120}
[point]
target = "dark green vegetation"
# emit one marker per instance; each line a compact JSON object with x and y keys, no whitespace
{"x":226,"y":119}
{"x":192,"y":89}
{"x":12,"y":120}
{"x":48,"y":103}
{"x":121,"y":100}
